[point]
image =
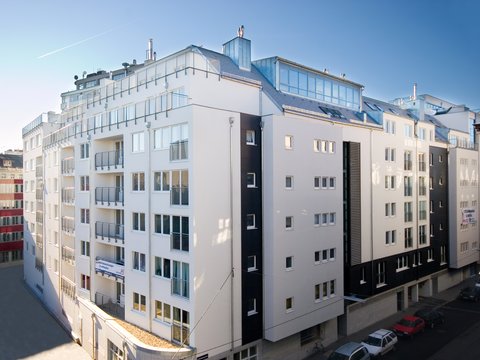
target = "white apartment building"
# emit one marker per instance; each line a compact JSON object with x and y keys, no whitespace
{"x":206,"y":206}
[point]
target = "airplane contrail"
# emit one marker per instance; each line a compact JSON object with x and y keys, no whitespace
{"x":75,"y":44}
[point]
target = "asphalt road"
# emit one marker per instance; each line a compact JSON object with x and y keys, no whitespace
{"x":458,"y":338}
{"x":27,"y":331}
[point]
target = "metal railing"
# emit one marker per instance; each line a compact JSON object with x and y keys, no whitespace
{"x":68,"y":255}
{"x":68,"y":166}
{"x":109,"y":196}
{"x":68,"y":195}
{"x":68,"y":224}
{"x":110,"y":231}
{"x":109,"y":160}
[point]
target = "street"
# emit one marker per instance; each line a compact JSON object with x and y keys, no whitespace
{"x":27,"y":331}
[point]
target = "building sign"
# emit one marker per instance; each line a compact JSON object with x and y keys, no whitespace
{"x":469,"y":216}
{"x":109,"y":268}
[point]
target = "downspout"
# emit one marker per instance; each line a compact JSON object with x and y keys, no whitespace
{"x":149,"y":208}
{"x":371,"y":215}
{"x":93,"y":337}
{"x":232,"y":345}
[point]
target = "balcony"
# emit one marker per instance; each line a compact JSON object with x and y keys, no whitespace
{"x":68,"y":196}
{"x":179,"y":195}
{"x":114,"y":270}
{"x":68,"y":166}
{"x":68,"y":255}
{"x":109,"y":232}
{"x":109,"y":196}
{"x":109,"y":160}
{"x":68,"y":225}
{"x":179,"y":241}
{"x":180,"y":287}
{"x":179,"y":150}
{"x":111,"y":306}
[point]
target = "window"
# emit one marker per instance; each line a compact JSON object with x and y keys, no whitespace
{"x":324,"y":182}
{"x":138,"y":142}
{"x":317,"y":145}
{"x":380,"y":276}
{"x":422,"y":210}
{"x":407,"y":160}
{"x":181,"y":279}
{"x":316,"y":219}
{"x":288,"y":142}
{"x":407,"y":212}
{"x":162,"y":267}
{"x":408,"y":237}
{"x":179,"y":142}
{"x":179,"y":189}
{"x":180,"y":233}
{"x":289,"y":263}
{"x":331,"y":147}
{"x":440,"y":181}
{"x":181,"y":326}
{"x":443,"y":254}
{"x":289,"y":222}
{"x":251,"y":263}
{"x":440,"y":158}
{"x":138,"y":221}
{"x":408,"y":131}
{"x":464,"y":246}
{"x":317,"y":292}
{"x":324,"y":255}
{"x":85,"y":248}
{"x":402,"y":263}
{"x":84,"y":183}
{"x":289,"y":182}
{"x":389,"y":126}
{"x":332,"y":254}
{"x":251,"y":306}
{"x":324,"y":219}
{"x":85,"y":216}
{"x":113,"y":117}
{"x":390,"y":237}
{"x":163,"y":312}
{"x":363,"y":276}
{"x":407,"y":187}
{"x":422,"y":132}
{"x":422,"y":234}
{"x":251,"y":180}
{"x":389,"y":154}
{"x":324,"y":146}
{"x":138,"y":261}
{"x":390,"y":209}
{"x":289,"y":304}
{"x":250,"y":221}
{"x":421,"y":162}
{"x":250,"y":137}
{"x":430,"y":255}
{"x":316,"y":182}
{"x":139,"y":302}
{"x":162,"y":224}
{"x":138,"y":181}
{"x":430,"y":181}
{"x":331,"y":183}
{"x":390,"y":182}
{"x":332,"y":217}
{"x":85,"y":282}
{"x":422,"y":186}
{"x":431,"y":159}
{"x":246,"y":354}
{"x":84,"y":151}
{"x":161,"y":180}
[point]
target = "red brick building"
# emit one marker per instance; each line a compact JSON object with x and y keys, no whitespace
{"x":11,"y":207}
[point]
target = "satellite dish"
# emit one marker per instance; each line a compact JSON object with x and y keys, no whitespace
{"x":76,"y":77}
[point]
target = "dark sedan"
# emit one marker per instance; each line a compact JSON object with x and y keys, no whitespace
{"x":432,"y":317}
{"x":471,"y":293}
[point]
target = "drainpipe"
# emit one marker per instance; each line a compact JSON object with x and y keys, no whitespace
{"x":93,"y":337}
{"x":149,"y":208}
{"x":231,"y":121}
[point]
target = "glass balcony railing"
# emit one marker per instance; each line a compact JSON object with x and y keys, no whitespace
{"x":109,"y":160}
{"x":109,"y":196}
{"x":68,"y":225}
{"x":68,"y":195}
{"x":109,"y":231}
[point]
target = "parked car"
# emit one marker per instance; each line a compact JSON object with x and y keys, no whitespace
{"x":470,"y":293}
{"x":431,"y":317}
{"x":350,"y":351}
{"x":380,"y":342}
{"x":409,"y":325}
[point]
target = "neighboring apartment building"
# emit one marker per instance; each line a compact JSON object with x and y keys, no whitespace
{"x":229,"y":207}
{"x":11,"y":207}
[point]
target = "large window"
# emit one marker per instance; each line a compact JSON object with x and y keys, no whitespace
{"x":85,"y":216}
{"x":138,"y":142}
{"x":180,"y":279}
{"x":181,"y":326}
{"x":161,"y":181}
{"x":163,"y":311}
{"x":179,"y":187}
{"x":84,"y":183}
{"x":138,"y":261}
{"x":407,"y":185}
{"x":139,"y":302}
{"x":380,"y":279}
{"x":162,"y":224}
{"x":314,"y":85}
{"x":408,"y":214}
{"x":138,"y":221}
{"x":138,"y":181}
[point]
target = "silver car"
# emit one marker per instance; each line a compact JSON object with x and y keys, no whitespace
{"x":380,"y":342}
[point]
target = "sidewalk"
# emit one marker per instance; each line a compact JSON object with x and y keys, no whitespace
{"x":437,"y":300}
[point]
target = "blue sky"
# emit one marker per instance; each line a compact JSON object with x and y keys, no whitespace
{"x":385,"y":45}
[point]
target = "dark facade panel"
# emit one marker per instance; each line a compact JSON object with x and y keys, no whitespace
{"x":251,"y":242}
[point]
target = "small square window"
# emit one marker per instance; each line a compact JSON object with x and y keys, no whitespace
{"x":316,"y":182}
{"x":250,"y":221}
{"x":252,"y":263}
{"x":289,"y":304}
{"x":288,"y":142}
{"x":251,"y":181}
{"x":250,"y":137}
{"x":289,"y":262}
{"x":332,"y":182}
{"x":317,"y":256}
{"x":251,"y":307}
{"x":289,"y":182}
{"x":289,"y":222}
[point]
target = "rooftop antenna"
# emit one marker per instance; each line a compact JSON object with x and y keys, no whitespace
{"x":241,"y":31}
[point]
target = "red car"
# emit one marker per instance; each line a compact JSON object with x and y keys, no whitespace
{"x":409,"y":326}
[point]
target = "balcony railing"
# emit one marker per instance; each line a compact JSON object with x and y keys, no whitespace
{"x":68,"y":225}
{"x":179,"y":195}
{"x":179,"y":150}
{"x":109,"y":160}
{"x":110,"y":196}
{"x":179,"y":241}
{"x":68,"y":166}
{"x":109,"y":231}
{"x":68,"y":255}
{"x":68,"y":195}
{"x":180,"y":287}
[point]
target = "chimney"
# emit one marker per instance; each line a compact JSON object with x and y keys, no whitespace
{"x":414,"y":91}
{"x":150,"y":50}
{"x":239,"y":50}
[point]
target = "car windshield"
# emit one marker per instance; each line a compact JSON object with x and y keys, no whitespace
{"x":373,"y":341}
{"x":405,"y":322}
{"x":337,"y":356}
